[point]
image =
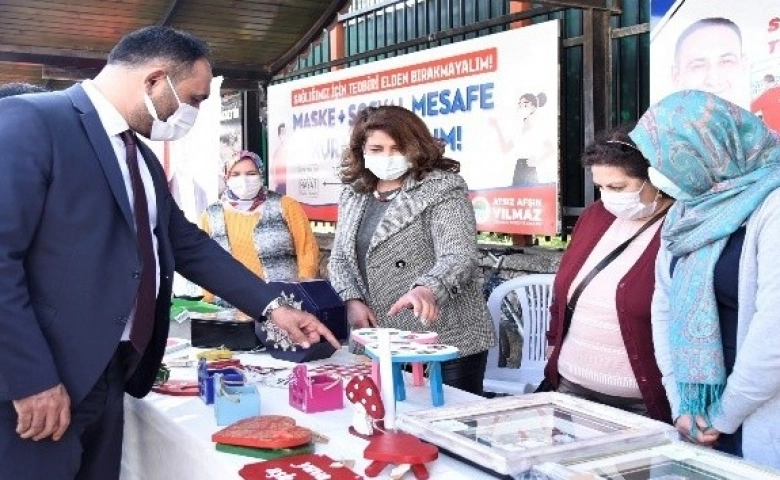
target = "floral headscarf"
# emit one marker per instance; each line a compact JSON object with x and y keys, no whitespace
{"x":728,"y":161}
{"x":230,"y":198}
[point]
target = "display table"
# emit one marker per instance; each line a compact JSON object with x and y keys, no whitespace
{"x":169,"y":438}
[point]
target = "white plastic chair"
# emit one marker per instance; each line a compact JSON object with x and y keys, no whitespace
{"x":534,"y":294}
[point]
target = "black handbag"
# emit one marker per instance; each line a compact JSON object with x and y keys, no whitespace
{"x":546,"y":385}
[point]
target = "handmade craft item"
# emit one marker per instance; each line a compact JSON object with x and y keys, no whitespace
{"x":163,"y":375}
{"x":671,"y":461}
{"x":313,"y":296}
{"x":343,"y":371}
{"x":318,"y":393}
{"x":228,"y":328}
{"x":509,"y":435}
{"x":299,"y":467}
{"x":265,"y":431}
{"x":365,"y":336}
{"x":265,"y":453}
{"x":175,"y":344}
{"x":234,"y":403}
{"x":431,"y":354}
{"x":395,"y":448}
{"x":180,"y":362}
{"x":177,"y":388}
{"x":231,"y":376}
{"x":218,"y":364}
{"x":369,"y":409}
{"x":216,"y":354}
{"x":384,"y":355}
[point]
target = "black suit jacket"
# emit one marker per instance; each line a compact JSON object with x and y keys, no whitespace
{"x":69,"y":256}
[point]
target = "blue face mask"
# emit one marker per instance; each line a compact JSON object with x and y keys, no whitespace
{"x":661,"y":182}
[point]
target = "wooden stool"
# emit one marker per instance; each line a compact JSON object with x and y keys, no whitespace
{"x":432,"y":354}
{"x":399,"y":448}
{"x":363,"y":336}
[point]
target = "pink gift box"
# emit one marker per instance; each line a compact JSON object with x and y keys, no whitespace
{"x":317,"y":393}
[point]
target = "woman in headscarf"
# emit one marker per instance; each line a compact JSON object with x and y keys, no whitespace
{"x":716,"y":305}
{"x":267,"y":232}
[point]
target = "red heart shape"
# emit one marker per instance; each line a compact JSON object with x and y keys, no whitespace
{"x":397,"y":448}
{"x":265,"y":431}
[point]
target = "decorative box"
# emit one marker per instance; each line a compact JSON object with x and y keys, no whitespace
{"x":676,"y":460}
{"x":206,"y":382}
{"x":227,"y":328}
{"x":320,"y":299}
{"x":232,"y":404}
{"x":511,"y":434}
{"x":316,"y":393}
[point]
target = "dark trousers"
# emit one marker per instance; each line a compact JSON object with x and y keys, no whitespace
{"x":91,"y":448}
{"x":633,"y":405}
{"x":730,"y":443}
{"x":466,"y":373}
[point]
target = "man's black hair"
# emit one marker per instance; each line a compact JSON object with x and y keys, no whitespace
{"x":177,"y":47}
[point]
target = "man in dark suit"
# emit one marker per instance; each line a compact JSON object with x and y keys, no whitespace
{"x":19,"y":88}
{"x":89,"y":240}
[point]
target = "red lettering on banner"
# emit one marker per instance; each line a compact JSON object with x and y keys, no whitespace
{"x":456,"y":66}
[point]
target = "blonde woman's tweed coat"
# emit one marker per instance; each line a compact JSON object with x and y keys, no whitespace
{"x":427,"y":237}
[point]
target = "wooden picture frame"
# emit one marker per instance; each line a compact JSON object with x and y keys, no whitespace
{"x":510,"y":435}
{"x":662,"y":462}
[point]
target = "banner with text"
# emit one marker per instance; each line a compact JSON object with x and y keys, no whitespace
{"x":493,"y":100}
{"x":720,"y":46}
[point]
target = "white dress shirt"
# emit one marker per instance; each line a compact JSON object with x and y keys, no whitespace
{"x":114,"y":124}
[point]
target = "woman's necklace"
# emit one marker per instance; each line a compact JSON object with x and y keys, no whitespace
{"x":388,"y":195}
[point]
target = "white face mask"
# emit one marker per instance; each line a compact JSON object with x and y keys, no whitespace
{"x":661,"y":182}
{"x":177,"y":125}
{"x":627,"y":205}
{"x":245,"y":187}
{"x":386,"y":167}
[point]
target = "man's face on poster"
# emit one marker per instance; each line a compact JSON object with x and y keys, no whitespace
{"x":710,"y":59}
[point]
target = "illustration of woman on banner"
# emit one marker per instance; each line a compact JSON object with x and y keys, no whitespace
{"x":528,"y":143}
{"x":279,"y":162}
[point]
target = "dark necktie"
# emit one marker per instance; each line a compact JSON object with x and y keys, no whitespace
{"x":143,"y":321}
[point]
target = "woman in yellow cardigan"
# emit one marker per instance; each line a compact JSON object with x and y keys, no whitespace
{"x":267,"y":232}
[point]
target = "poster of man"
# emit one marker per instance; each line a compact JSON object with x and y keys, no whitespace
{"x":721,"y":47}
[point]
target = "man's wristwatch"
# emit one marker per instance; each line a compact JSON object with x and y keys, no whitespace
{"x":275,"y":303}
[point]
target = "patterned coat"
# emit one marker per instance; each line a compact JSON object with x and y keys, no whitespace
{"x":427,"y":237}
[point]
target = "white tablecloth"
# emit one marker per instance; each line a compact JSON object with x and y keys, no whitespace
{"x":169,"y":438}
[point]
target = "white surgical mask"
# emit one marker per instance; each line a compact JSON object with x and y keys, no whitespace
{"x":662,"y":182}
{"x":245,"y":187}
{"x":177,"y":125}
{"x":387,"y":167}
{"x":627,"y":205}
